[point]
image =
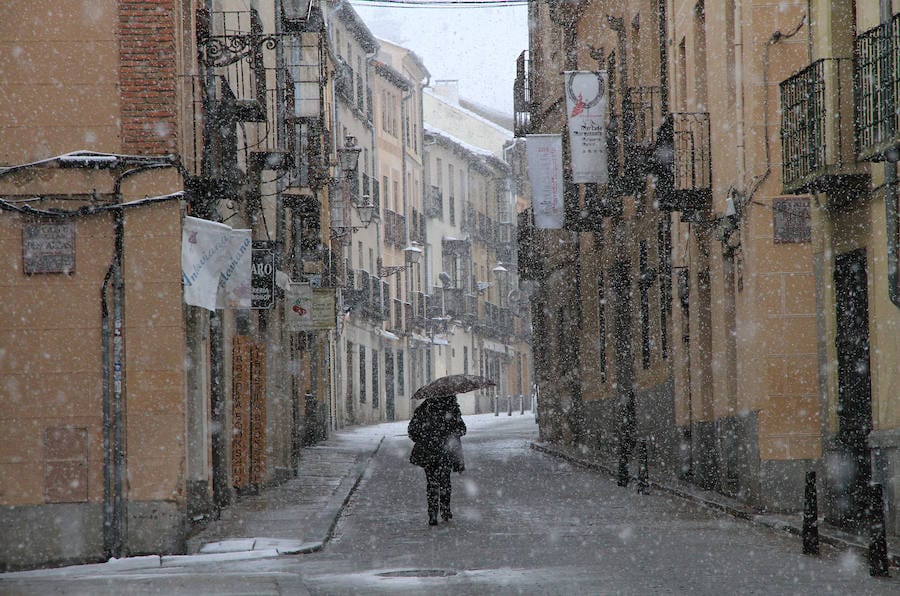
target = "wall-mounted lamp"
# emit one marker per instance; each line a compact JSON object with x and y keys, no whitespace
{"x":365,"y":212}
{"x":412,"y":254}
{"x":348,"y":156}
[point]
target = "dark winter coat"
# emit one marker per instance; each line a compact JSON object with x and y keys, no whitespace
{"x":435,"y":428}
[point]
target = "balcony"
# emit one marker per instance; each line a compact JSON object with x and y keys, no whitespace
{"x":632,"y":137}
{"x":876,"y":89}
{"x":343,"y":80}
{"x":818,"y":153}
{"x":232,"y":44}
{"x":267,"y":145}
{"x":522,"y":96}
{"x":434,"y":202}
{"x":683,"y":164}
{"x":530,"y":253}
{"x":419,"y":317}
{"x":394,"y":228}
{"x":454,"y":303}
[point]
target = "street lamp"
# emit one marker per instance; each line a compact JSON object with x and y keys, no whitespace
{"x":348,"y":156}
{"x":411,"y":253}
{"x":366,"y":212}
{"x":348,"y":162}
{"x":500,"y":272}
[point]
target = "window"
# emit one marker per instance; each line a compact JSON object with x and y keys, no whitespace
{"x":664,"y":251}
{"x":401,"y":386}
{"x":601,"y":312}
{"x":349,"y":396}
{"x":465,"y":360}
{"x":362,"y":374}
{"x":375,"y":380}
{"x":451,"y":200}
{"x":645,"y":280}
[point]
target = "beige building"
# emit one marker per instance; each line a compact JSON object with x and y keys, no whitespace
{"x":127,"y":427}
{"x":843,"y":169}
{"x":679,"y":300}
{"x":97,"y":426}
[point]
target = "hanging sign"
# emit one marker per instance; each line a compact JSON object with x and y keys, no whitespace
{"x":545,"y":173}
{"x":587,"y":103}
{"x":263,"y":275}
{"x":298,"y":305}
{"x":215,"y":264}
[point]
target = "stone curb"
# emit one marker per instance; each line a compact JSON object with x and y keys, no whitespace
{"x":720,"y":504}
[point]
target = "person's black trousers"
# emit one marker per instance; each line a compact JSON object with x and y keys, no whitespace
{"x":437,"y":490}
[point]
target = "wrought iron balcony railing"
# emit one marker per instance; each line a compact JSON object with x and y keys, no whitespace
{"x":642,"y":116}
{"x":876,"y":87}
{"x":522,"y":96}
{"x":817,"y":128}
{"x":232,"y":44}
{"x":683,"y":163}
{"x":631,"y":137}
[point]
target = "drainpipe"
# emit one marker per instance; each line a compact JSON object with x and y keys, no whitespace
{"x":110,"y":534}
{"x":114,"y":514}
{"x":890,"y":192}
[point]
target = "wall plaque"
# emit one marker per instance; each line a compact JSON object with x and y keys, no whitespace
{"x":48,"y":248}
{"x":792,"y":220}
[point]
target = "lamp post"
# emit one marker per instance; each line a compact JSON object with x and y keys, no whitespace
{"x":501,"y":273}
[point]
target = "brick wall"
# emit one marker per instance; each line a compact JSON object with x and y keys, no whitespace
{"x":147,"y":74}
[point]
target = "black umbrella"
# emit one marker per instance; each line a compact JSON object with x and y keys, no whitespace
{"x":451,"y":385}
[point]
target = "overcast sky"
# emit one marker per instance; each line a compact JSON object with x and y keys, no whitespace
{"x":477,"y":46}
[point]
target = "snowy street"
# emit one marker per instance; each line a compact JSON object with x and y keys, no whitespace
{"x":524,"y":523}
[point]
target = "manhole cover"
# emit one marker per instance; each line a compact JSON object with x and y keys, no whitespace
{"x":418,"y":573}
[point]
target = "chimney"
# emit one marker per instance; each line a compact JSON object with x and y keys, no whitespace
{"x":448,"y":90}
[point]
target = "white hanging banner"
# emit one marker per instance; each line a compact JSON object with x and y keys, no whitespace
{"x":587,"y":100}
{"x":545,"y":173}
{"x":215,"y":264}
{"x":298,"y":306}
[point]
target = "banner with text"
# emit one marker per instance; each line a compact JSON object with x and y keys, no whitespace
{"x":215,"y":264}
{"x":587,"y":103}
{"x":544,"y":155}
{"x":307,"y":308}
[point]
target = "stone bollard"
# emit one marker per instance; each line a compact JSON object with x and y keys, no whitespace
{"x":643,"y":479}
{"x":509,"y":405}
{"x":878,"y":560}
{"x":810,"y":517}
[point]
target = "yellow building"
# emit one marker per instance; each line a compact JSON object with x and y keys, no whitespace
{"x":839,"y":139}
{"x":679,"y":300}
{"x":96,"y":423}
{"x":127,"y":426}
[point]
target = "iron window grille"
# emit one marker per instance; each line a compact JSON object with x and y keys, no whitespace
{"x":876,"y":86}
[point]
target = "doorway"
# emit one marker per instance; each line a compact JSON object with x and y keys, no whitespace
{"x":854,"y":407}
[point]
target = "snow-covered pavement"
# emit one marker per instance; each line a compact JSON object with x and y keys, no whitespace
{"x":524,"y":523}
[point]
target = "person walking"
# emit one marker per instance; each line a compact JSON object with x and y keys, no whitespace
{"x":435,"y":429}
